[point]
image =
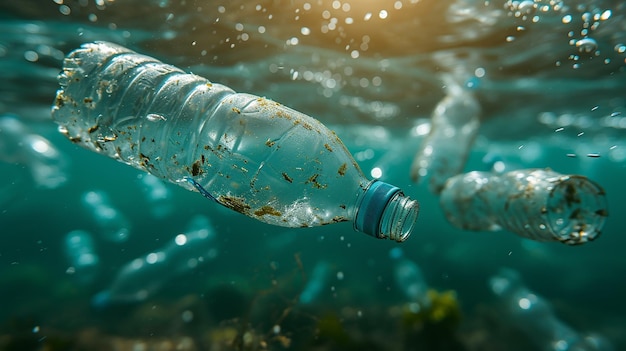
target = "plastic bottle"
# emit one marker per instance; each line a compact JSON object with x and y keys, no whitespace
{"x":157,"y":194}
{"x":533,"y":315}
{"x":537,"y":204}
{"x":454,"y":125}
{"x":317,"y":282}
{"x":21,"y":145}
{"x":81,"y":255}
{"x":113,"y":225}
{"x":145,"y":275}
{"x":250,"y":154}
{"x":409,"y":279}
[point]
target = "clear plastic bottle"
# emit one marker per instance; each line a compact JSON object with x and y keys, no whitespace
{"x":157,"y":194}
{"x":142,"y":277}
{"x":250,"y":154}
{"x":113,"y":224}
{"x":19,"y":144}
{"x":454,"y":125}
{"x":81,"y":255}
{"x":409,"y":279}
{"x":533,"y":315}
{"x":316,"y":283}
{"x":537,"y":204}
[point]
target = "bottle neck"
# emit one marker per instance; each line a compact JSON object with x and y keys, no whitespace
{"x":383,"y":211}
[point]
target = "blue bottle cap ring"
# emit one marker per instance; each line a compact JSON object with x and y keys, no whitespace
{"x":371,"y":208}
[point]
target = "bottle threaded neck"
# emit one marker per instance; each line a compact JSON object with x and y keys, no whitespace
{"x":385,"y":212}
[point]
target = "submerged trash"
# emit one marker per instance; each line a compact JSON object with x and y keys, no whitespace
{"x":145,"y":275}
{"x":533,"y":315}
{"x":537,"y":204}
{"x":18,"y":144}
{"x":81,"y":255}
{"x":444,"y":151}
{"x":113,"y":224}
{"x":410,"y":279}
{"x":250,"y":154}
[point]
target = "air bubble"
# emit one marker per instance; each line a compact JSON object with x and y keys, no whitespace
{"x":587,"y":45}
{"x":526,"y":7}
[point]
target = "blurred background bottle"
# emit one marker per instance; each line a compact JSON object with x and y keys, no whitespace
{"x":533,"y":315}
{"x":410,"y":279}
{"x":157,"y":194}
{"x":81,"y":255}
{"x":250,"y":154}
{"x":113,"y":224}
{"x":453,"y":127}
{"x":19,"y":144}
{"x":317,"y":282}
{"x":537,"y":204}
{"x":145,"y":275}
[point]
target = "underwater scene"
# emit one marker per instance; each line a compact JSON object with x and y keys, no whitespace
{"x":312,"y":175}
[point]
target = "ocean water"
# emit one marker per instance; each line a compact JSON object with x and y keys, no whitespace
{"x":550,"y":79}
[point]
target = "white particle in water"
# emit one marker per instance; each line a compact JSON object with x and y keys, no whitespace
{"x":153,"y":117}
{"x":566,"y":19}
{"x":383,"y":14}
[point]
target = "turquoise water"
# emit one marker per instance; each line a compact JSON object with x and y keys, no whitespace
{"x":550,"y":79}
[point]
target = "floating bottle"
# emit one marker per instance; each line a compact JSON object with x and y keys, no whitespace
{"x":250,"y":154}
{"x":409,"y":279}
{"x":317,"y":282}
{"x":537,"y":204}
{"x":21,"y":145}
{"x":145,"y":275}
{"x":81,"y":255}
{"x":454,"y":125}
{"x":533,"y":315}
{"x":157,"y":194}
{"x":113,"y":224}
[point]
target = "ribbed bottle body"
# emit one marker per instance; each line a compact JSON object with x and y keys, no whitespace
{"x":454,"y":126}
{"x":250,"y":154}
{"x":538,"y":204}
